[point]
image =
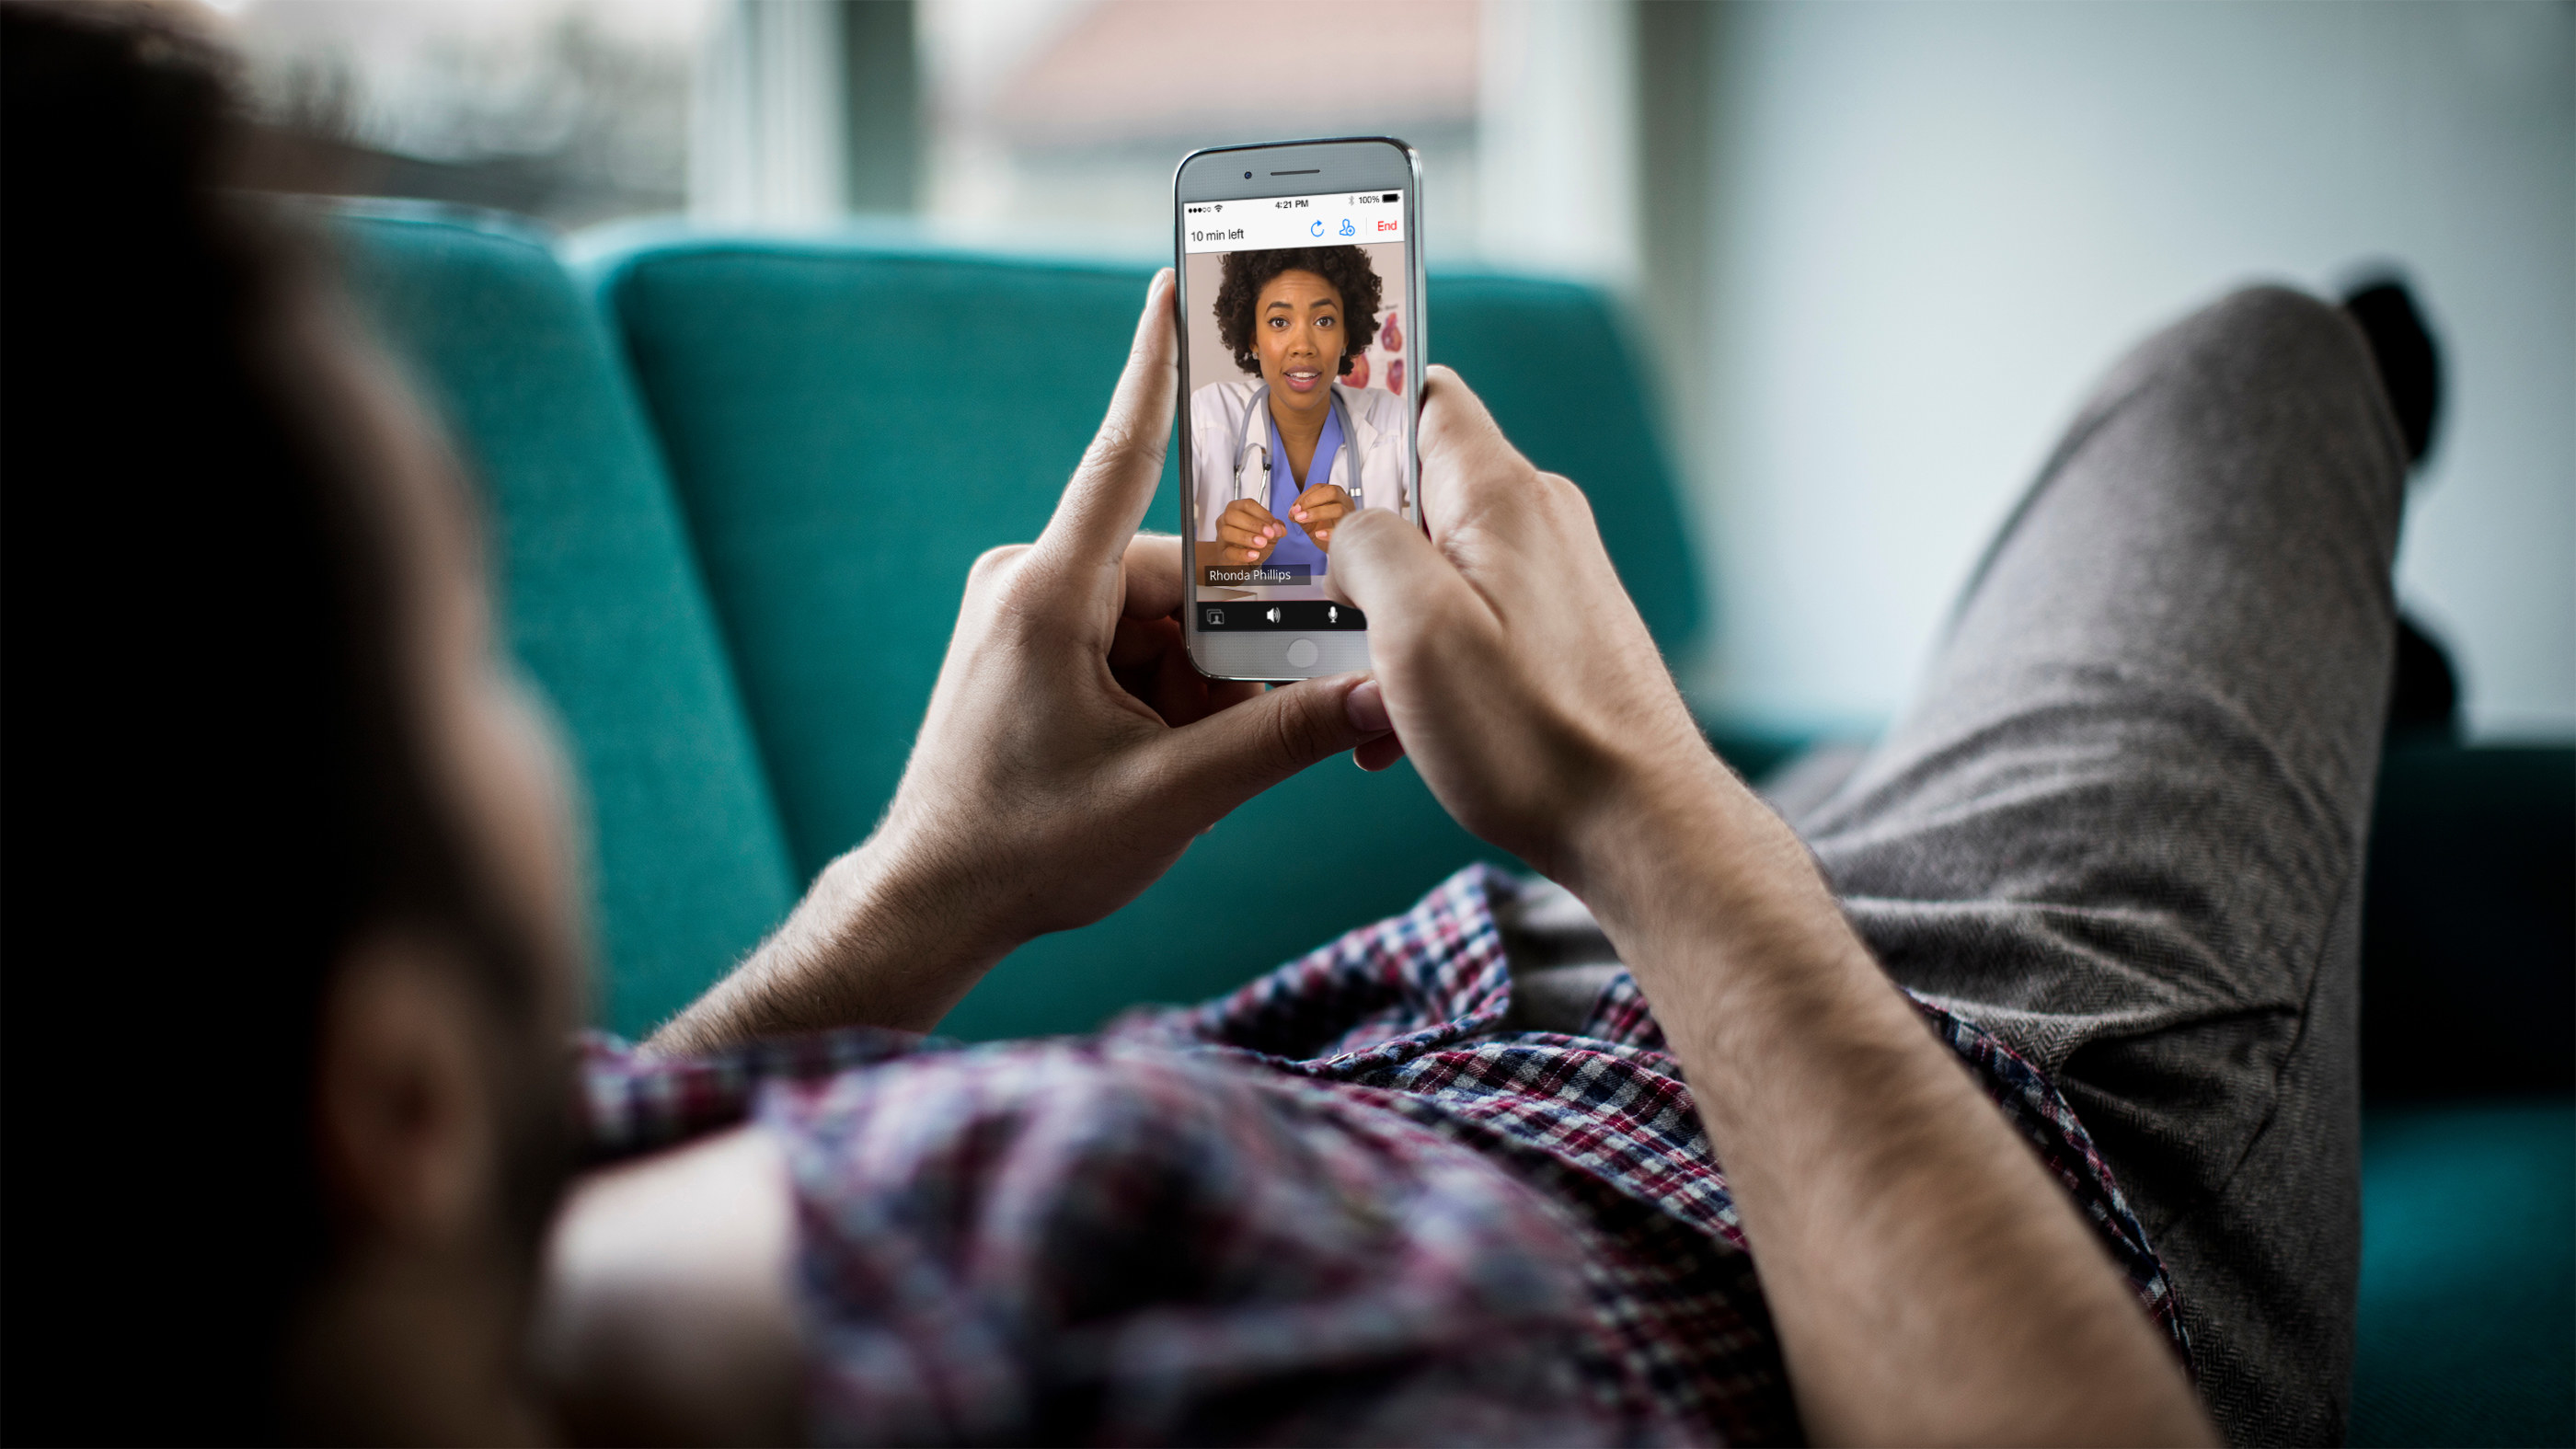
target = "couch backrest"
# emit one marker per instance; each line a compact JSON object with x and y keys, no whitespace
{"x":847,"y":432}
{"x":849,"y":426}
{"x":601,"y":595}
{"x":1551,"y":364}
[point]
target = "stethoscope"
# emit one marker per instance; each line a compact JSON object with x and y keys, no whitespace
{"x":1252,"y":449}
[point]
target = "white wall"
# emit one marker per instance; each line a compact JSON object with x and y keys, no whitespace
{"x":1556,"y":138}
{"x":1934,"y":224}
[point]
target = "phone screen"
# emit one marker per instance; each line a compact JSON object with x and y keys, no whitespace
{"x":1301,"y":398}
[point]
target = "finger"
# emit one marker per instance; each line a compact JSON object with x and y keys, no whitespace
{"x":1155,"y":571}
{"x":1244,"y":523}
{"x":1380,"y":753}
{"x":1465,"y":457}
{"x":1385,"y":567}
{"x":1110,"y":488}
{"x":1367,"y":707}
{"x":1235,"y":754}
{"x":1138,"y":644}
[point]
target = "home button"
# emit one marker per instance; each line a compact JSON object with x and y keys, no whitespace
{"x":1301,"y":654}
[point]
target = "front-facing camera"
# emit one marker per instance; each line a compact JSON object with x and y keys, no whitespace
{"x":1247,"y":176}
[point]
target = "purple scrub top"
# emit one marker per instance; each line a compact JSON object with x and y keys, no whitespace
{"x":1295,"y":547}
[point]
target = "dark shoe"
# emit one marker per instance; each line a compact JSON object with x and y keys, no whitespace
{"x":2410,"y":365}
{"x":2423,"y":692}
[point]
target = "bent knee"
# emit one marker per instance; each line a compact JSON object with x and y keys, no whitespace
{"x":2275,"y":335}
{"x":2260,"y":346}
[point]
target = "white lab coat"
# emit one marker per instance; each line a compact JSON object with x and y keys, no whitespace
{"x":1218,"y":474}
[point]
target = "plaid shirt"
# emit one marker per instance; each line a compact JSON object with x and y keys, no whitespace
{"x":1344,"y":1202}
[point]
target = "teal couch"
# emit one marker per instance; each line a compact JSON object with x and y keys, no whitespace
{"x":734,"y":487}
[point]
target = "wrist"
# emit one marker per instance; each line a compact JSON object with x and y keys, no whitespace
{"x":921,"y":923}
{"x":1685,"y":862}
{"x":1638,"y":821}
{"x":1731,"y":931}
{"x":890,"y":935}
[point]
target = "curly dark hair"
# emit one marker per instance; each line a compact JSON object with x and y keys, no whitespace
{"x":1348,"y":271}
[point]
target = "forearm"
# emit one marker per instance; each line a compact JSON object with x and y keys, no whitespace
{"x":878,"y":941}
{"x":1929,"y":1281}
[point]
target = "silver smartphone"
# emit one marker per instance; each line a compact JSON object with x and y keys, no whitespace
{"x":1301,"y":372}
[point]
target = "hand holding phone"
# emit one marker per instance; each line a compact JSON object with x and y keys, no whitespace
{"x":1517,"y":672}
{"x":1068,"y":756}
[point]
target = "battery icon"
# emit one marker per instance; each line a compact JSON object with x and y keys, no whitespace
{"x":1390,"y":196}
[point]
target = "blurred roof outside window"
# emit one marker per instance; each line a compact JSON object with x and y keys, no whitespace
{"x":1069,"y":115}
{"x":1066,"y":117}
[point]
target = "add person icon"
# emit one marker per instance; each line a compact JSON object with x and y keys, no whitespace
{"x":1346,"y":227}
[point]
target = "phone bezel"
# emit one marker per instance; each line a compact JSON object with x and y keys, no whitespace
{"x":1343,"y":163}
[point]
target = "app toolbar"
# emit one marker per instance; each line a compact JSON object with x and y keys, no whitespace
{"x":1289,"y":221}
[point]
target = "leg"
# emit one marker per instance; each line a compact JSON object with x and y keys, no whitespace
{"x":2123,"y":824}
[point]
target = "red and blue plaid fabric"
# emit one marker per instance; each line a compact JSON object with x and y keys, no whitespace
{"x":1344,"y":1202}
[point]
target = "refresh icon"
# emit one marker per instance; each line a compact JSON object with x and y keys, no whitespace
{"x":1317,"y":229}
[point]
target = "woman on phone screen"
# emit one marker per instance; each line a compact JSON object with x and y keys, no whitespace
{"x":1281,"y":456}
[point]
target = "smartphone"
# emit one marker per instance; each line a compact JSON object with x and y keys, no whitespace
{"x":1301,"y":325}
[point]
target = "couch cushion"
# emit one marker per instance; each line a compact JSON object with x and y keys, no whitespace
{"x":2467,"y":1331}
{"x":849,"y":426}
{"x":599,"y":589}
{"x":2468,"y":927}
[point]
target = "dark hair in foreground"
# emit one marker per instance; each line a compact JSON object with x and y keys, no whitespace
{"x":1244,"y":274}
{"x":212,"y":761}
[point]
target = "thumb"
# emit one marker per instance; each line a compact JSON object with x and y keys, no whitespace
{"x":1466,"y":460}
{"x":1383,"y":566}
{"x":1227,"y":758}
{"x":1115,"y":481}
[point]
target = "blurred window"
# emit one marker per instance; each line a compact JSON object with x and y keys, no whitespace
{"x":1045,"y":123}
{"x":571,"y":111}
{"x":1066,"y":116}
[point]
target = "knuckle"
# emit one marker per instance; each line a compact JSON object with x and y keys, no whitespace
{"x":1364,"y":522}
{"x":994,"y":565}
{"x":1564,"y":496}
